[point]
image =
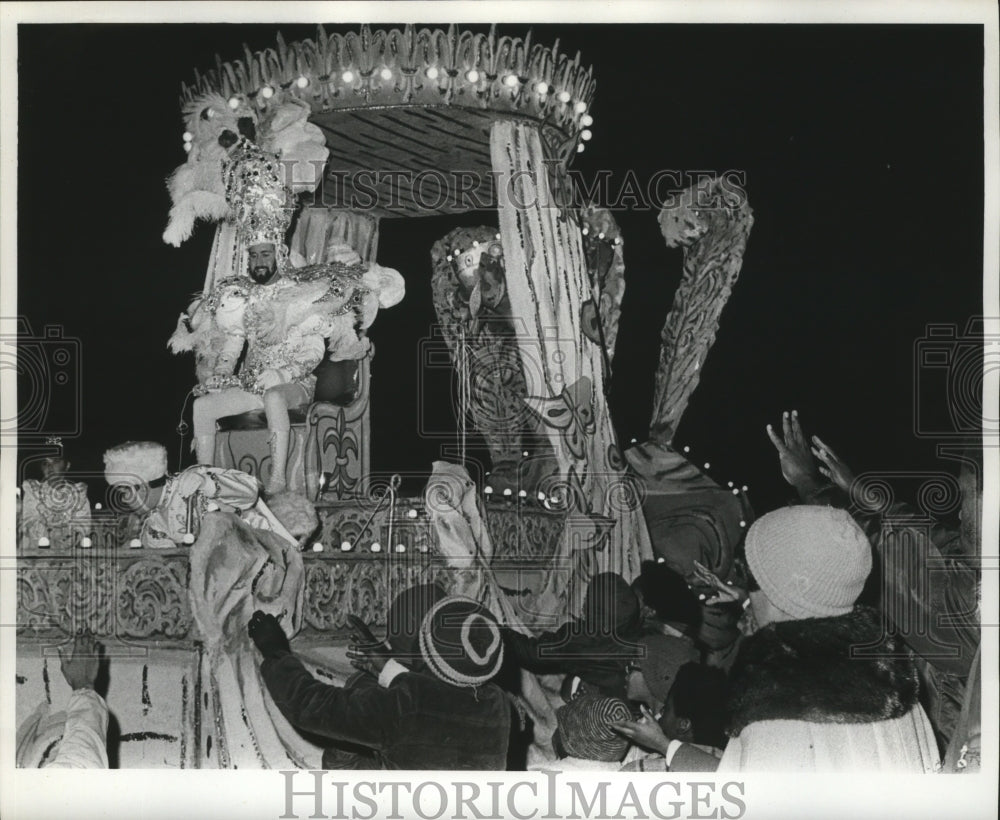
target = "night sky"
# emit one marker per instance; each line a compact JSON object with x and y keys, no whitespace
{"x":863,"y":153}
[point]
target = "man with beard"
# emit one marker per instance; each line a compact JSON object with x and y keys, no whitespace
{"x":288,"y":318}
{"x":277,"y":372}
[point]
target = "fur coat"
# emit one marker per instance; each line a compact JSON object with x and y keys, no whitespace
{"x":804,"y":670}
{"x":827,"y":694}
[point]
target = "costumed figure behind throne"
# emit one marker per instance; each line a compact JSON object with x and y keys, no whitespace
{"x":287,"y":318}
{"x":473,"y":309}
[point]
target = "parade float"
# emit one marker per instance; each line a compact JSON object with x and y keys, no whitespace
{"x":527,"y":313}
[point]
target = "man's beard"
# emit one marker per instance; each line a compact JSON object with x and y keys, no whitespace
{"x":263,"y":274}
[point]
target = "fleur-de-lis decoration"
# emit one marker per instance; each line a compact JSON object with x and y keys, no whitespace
{"x":345,"y":448}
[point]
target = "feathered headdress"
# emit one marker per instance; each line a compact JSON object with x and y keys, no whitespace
{"x":215,"y":128}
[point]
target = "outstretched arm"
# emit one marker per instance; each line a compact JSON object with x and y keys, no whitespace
{"x":679,"y":756}
{"x":369,"y":716}
{"x":927,"y":593}
{"x":84,"y":742}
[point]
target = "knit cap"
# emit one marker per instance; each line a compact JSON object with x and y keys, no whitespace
{"x":406,"y":614}
{"x":810,"y":561}
{"x":665,"y":654}
{"x":460,"y":642}
{"x":584,"y":726}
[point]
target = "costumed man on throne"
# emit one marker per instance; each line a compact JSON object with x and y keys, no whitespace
{"x":288,"y":319}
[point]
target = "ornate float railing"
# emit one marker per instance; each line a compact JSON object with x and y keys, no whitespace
{"x":132,"y":594}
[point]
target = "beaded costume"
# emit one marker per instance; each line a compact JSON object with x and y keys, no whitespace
{"x":288,"y":324}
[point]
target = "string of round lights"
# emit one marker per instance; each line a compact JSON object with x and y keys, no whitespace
{"x":411,"y":66}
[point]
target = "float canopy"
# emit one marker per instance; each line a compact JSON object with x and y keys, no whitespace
{"x":407,"y":113}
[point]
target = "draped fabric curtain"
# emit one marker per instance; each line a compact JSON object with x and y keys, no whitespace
{"x":236,"y":570}
{"x":547,"y":285}
{"x":320,"y":229}
{"x":228,"y":256}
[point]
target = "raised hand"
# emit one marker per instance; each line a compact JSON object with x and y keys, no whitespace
{"x":81,"y":665}
{"x":721,"y":593}
{"x":832,"y":466}
{"x":797,"y":463}
{"x":361,"y":634}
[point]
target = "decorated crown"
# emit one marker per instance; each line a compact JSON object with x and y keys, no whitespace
{"x":261,"y":204}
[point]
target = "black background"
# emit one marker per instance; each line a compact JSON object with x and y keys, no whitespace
{"x":863,"y":153}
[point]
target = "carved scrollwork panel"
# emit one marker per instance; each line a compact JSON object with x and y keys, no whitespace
{"x":153,"y":599}
{"x":360,"y":586}
{"x":66,"y":595}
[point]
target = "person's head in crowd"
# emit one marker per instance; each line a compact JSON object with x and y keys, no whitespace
{"x":404,"y":619}
{"x":667,"y":594}
{"x":808,"y":562}
{"x":695,"y":710}
{"x":54,"y":467}
{"x":584,"y":729}
{"x":137,"y":472}
{"x":719,"y":624}
{"x":650,"y":677}
{"x":610,"y":607}
{"x":460,"y":642}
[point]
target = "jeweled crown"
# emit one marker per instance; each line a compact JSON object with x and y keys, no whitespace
{"x":261,"y":204}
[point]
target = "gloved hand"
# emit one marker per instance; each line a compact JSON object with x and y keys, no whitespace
{"x":267,"y":634}
{"x":367,"y":653}
{"x":270,"y":378}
